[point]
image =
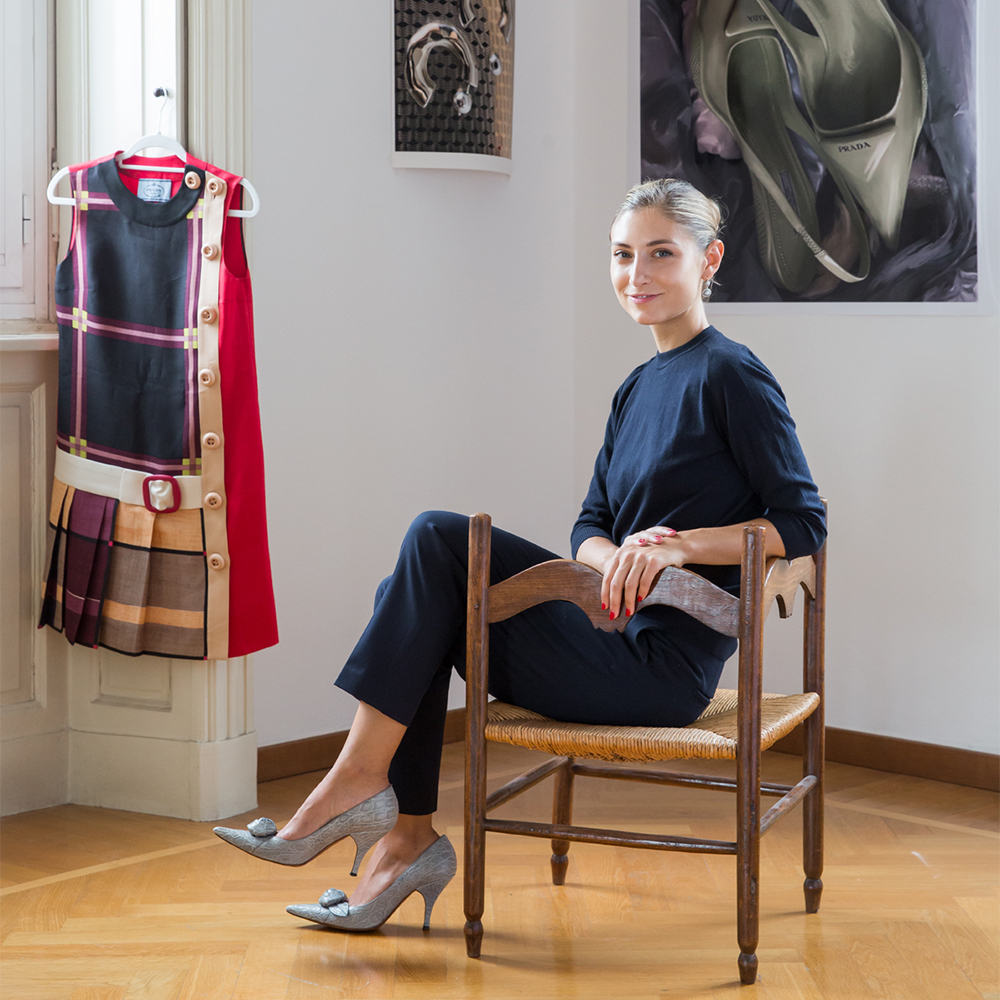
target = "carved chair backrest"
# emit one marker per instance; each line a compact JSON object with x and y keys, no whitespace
{"x":567,"y":580}
{"x":743,"y":618}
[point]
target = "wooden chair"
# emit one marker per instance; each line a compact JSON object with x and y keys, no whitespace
{"x":736,"y":725}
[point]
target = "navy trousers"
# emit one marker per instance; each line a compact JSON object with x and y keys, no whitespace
{"x":549,"y":659}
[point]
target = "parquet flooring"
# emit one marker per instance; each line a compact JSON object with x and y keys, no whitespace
{"x":104,"y":905}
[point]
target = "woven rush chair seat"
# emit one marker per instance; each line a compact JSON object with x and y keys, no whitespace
{"x":711,"y":736}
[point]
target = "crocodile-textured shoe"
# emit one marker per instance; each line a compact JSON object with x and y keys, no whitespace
{"x":428,"y":875}
{"x":368,"y":822}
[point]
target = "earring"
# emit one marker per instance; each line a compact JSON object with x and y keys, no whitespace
{"x":706,"y":291}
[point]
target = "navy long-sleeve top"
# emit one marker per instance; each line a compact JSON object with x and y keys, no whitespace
{"x":701,"y":437}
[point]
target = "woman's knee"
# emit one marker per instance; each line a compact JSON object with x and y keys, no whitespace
{"x":439,"y":524}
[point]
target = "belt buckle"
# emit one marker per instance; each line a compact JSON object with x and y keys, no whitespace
{"x":155,"y":499}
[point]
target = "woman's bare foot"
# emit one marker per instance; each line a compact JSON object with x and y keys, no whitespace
{"x":335,"y":794}
{"x":361,"y":771}
{"x":392,"y":855}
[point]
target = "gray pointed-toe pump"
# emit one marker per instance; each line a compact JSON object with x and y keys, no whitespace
{"x":367,"y":823}
{"x":428,"y":875}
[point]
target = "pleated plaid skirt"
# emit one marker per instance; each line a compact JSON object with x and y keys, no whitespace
{"x":157,"y":528}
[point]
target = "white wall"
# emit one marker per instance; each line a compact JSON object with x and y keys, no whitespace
{"x":414,"y":330}
{"x":898,"y":417}
{"x":449,"y":339}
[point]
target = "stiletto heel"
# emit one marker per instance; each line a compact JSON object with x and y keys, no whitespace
{"x":369,"y":820}
{"x":364,"y":841}
{"x":430,"y":893}
{"x":428,"y":875}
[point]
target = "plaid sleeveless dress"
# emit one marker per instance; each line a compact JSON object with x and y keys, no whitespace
{"x":157,"y":529}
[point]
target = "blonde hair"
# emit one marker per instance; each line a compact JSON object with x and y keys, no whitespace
{"x":681,"y":202}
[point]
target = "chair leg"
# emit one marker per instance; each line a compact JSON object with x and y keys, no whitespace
{"x":747,"y":898}
{"x":562,"y":813}
{"x":748,"y":752}
{"x":475,"y":841}
{"x":476,"y":694}
{"x":475,"y":894}
{"x":475,"y":866}
{"x":812,"y":815}
{"x":814,"y":753}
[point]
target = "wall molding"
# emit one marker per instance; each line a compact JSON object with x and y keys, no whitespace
{"x":910,"y":757}
{"x":843,"y":746}
{"x":34,"y":745}
{"x":219,"y":47}
{"x":219,"y":53}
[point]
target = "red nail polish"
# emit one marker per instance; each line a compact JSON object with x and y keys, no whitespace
{"x":639,"y":600}
{"x":604,"y":607}
{"x":627,"y":612}
{"x":612,"y":616}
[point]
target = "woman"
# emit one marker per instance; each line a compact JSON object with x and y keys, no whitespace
{"x":699,"y":443}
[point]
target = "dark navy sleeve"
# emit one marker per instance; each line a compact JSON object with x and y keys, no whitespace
{"x":596,"y":519}
{"x":753,"y":416}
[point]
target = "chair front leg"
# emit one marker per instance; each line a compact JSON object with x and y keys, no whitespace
{"x":477,"y":683}
{"x":814,"y":755}
{"x":475,"y":846}
{"x":748,"y":863}
{"x":751,"y":661}
{"x":562,"y":813}
{"x":812,"y":815}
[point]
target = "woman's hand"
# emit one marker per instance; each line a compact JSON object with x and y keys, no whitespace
{"x":651,"y":536}
{"x":631,"y":571}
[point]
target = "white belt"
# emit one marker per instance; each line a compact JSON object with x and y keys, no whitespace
{"x":122,"y":484}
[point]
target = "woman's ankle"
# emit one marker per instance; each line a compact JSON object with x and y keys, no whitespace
{"x":365,"y":781}
{"x":408,"y":839}
{"x":327,"y":800}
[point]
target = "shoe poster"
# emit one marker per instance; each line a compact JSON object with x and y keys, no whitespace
{"x":454,"y":83}
{"x":839,"y":134}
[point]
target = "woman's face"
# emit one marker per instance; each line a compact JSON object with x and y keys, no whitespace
{"x":657,"y":268}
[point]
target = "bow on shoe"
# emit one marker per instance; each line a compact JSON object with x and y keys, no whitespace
{"x":262,"y":827}
{"x":335,"y":901}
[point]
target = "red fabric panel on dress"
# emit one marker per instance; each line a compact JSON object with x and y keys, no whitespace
{"x":252,"y":621}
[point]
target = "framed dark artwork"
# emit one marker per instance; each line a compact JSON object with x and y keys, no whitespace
{"x":839,"y":134}
{"x":454,"y":83}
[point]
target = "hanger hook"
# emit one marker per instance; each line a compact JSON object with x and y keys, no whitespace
{"x":165,"y":94}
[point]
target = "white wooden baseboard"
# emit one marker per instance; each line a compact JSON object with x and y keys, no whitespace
{"x":197,"y":781}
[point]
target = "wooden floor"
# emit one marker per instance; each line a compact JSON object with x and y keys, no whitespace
{"x":103,"y":905}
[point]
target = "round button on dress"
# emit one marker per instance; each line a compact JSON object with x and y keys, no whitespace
{"x":209,"y":314}
{"x":211,"y":440}
{"x":210,"y":252}
{"x":217,"y":561}
{"x":216,"y":187}
{"x":213,"y":500}
{"x":206,"y":376}
{"x":192,"y":180}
